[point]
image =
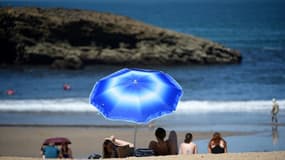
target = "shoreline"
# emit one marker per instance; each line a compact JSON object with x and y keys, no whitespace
{"x":276,"y":155}
{"x":25,"y":141}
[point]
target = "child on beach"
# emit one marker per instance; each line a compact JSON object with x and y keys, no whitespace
{"x":188,"y":147}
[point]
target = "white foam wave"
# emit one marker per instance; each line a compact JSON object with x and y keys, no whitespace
{"x":227,"y":106}
{"x":52,"y":105}
{"x":82,"y":105}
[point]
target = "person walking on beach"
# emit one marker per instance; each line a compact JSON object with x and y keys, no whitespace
{"x":274,"y":111}
{"x":188,"y":147}
{"x":217,"y":144}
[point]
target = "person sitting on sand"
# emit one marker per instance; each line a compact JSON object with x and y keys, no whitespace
{"x":65,"y":151}
{"x":162,"y":147}
{"x":188,"y":147}
{"x":217,"y":144}
{"x":49,"y":151}
{"x":172,"y":143}
{"x":111,"y":145}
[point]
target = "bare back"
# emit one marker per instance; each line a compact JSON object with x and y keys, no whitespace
{"x":159,"y":148}
{"x":188,"y":148}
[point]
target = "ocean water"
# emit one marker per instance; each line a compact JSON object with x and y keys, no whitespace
{"x":233,"y":97}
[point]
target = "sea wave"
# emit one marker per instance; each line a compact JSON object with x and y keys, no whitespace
{"x":228,"y":106}
{"x":82,"y":105}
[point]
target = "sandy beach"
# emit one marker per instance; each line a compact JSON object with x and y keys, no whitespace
{"x":25,"y":141}
{"x":229,"y":156}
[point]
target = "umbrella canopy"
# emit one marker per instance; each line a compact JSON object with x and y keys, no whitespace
{"x":57,"y":141}
{"x":136,"y":95}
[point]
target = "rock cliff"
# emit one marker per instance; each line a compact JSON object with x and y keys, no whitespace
{"x":73,"y":38}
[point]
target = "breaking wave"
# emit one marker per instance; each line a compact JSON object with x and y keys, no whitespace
{"x":82,"y":105}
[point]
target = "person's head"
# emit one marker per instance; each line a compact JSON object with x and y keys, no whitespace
{"x":216,"y":138}
{"x":274,"y":100}
{"x":216,"y":135}
{"x":51,"y":144}
{"x":188,"y":138}
{"x":108,"y":148}
{"x":160,"y":133}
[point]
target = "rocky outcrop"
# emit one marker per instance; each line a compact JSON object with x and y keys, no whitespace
{"x":73,"y":38}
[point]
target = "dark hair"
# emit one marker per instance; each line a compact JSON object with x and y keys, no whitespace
{"x":216,"y":138}
{"x":188,"y":138}
{"x":160,"y":133}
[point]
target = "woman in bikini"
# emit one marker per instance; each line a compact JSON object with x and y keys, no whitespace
{"x":217,"y":144}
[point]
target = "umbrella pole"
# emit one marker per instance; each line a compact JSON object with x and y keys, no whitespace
{"x":135,"y":136}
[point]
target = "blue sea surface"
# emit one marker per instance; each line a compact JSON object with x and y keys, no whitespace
{"x":255,"y":28}
{"x":233,"y":97}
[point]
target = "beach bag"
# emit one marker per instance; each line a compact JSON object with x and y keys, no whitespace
{"x":94,"y":156}
{"x":143,"y":152}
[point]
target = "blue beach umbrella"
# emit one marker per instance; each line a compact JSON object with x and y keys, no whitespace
{"x":136,"y":95}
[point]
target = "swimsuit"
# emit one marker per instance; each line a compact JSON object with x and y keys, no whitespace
{"x":217,"y":149}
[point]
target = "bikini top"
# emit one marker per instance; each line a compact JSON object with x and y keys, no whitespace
{"x":218,"y":149}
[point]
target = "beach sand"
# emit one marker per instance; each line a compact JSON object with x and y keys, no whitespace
{"x":24,"y":142}
{"x":228,"y":156}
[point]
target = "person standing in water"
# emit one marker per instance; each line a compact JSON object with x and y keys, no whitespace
{"x":274,"y":111}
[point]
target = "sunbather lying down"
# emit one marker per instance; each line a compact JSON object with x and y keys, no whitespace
{"x":117,"y":148}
